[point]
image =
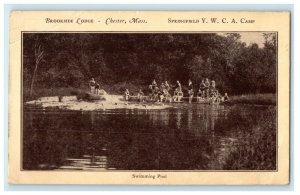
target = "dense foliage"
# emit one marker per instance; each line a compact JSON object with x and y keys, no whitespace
{"x":71,"y":59}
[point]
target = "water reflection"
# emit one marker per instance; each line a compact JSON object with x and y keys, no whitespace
{"x":188,"y":137}
{"x":178,"y":119}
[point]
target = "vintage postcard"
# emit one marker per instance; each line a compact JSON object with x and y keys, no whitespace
{"x":149,"y":97}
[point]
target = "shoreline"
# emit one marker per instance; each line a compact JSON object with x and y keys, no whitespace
{"x":250,"y":99}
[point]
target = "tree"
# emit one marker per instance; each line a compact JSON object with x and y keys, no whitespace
{"x":38,"y":55}
{"x":121,"y":58}
{"x":270,"y":61}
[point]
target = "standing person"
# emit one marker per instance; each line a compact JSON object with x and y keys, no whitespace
{"x":162,"y":87}
{"x":202,"y":85}
{"x":218,"y":99}
{"x":92,"y":84}
{"x":175,"y":97}
{"x":160,"y":93}
{"x":212,"y":91}
{"x":178,"y":86}
{"x":97,"y":87}
{"x":191,"y":95}
{"x":214,"y":96}
{"x":225,"y":98}
{"x":180,"y":95}
{"x":190,"y":90}
{"x":126,"y":95}
{"x":154,"y":84}
{"x":156,"y":93}
{"x":140,"y":95}
{"x":202,"y":88}
{"x":150,"y":88}
{"x":151,"y":92}
{"x":190,"y":86}
{"x":213,"y":84}
{"x":207,"y":85}
{"x":167,"y":86}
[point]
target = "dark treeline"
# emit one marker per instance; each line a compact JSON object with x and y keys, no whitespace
{"x":71,"y":59}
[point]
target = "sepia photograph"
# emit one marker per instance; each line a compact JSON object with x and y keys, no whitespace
{"x":149,"y":101}
{"x":149,"y":98}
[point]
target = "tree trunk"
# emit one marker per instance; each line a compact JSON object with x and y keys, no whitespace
{"x":39,"y":54}
{"x":32,"y":80}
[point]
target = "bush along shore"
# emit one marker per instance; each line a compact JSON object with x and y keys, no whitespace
{"x":259,"y":151}
{"x":257,"y":99}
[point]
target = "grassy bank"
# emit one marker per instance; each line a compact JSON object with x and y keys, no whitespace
{"x":258,"y":99}
{"x":258,"y":150}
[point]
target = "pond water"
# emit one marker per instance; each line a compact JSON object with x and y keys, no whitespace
{"x":184,"y":137}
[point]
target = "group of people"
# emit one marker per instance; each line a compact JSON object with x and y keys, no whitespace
{"x":208,"y":91}
{"x":161,"y":93}
{"x":95,"y":87}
